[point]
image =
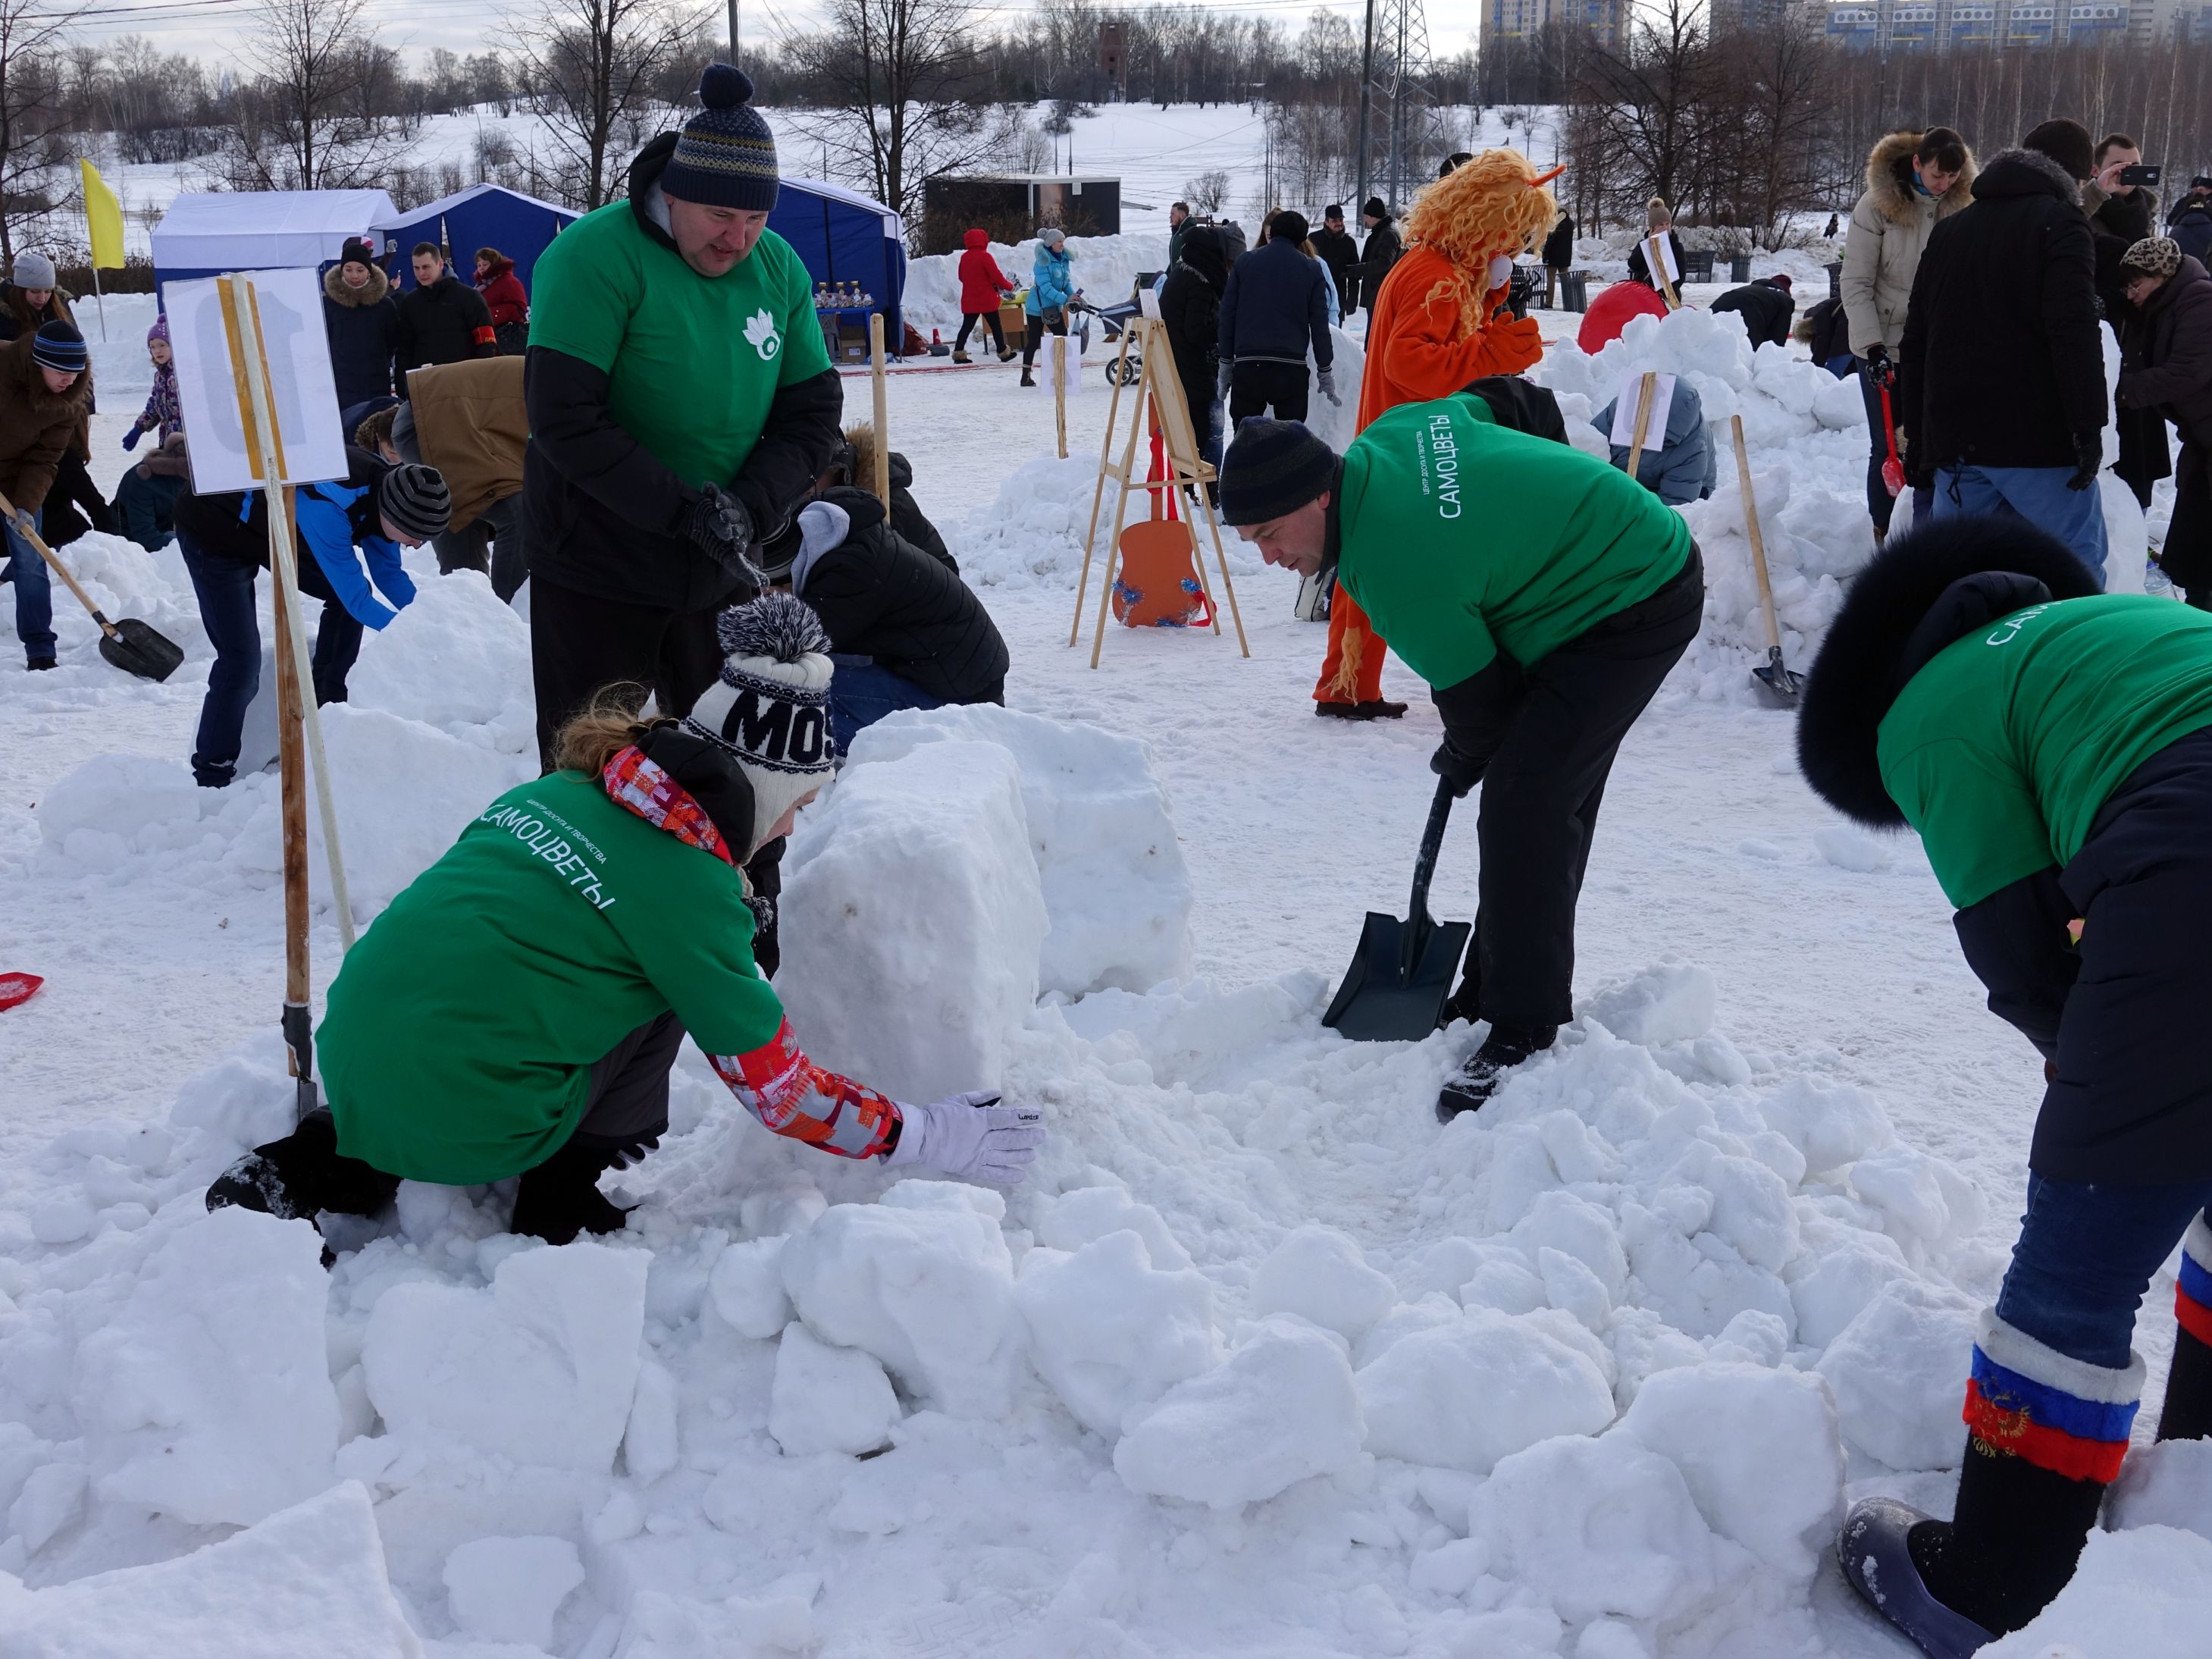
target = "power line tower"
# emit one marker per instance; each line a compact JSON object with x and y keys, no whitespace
{"x":1394,"y":99}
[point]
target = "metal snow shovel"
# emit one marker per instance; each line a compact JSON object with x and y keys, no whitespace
{"x":1779,"y":685}
{"x":1402,"y":971}
{"x":131,"y":645}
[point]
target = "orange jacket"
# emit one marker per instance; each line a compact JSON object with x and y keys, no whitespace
{"x":1413,"y":354}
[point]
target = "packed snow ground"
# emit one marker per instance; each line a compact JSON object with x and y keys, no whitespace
{"x":1260,"y":1360}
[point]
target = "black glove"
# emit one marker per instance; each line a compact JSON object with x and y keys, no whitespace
{"x":1879,"y":369}
{"x":631,"y":1151}
{"x":2088,"y":459}
{"x":718,"y":526}
{"x":1456,"y":769}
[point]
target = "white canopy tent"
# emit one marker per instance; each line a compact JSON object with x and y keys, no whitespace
{"x":205,"y":233}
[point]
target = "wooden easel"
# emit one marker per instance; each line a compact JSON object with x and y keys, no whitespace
{"x":298,"y":728}
{"x":1158,"y":392}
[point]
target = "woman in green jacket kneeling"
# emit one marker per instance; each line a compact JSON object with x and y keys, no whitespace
{"x":517,"y":1010}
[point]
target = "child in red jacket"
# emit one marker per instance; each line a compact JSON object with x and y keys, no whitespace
{"x":981,"y":283}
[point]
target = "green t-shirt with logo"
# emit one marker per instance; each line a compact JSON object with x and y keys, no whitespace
{"x":461,"y":1030}
{"x":2002,"y":751}
{"x":692,"y":362}
{"x":1460,"y":538}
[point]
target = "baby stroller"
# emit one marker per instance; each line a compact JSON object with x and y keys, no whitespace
{"x":1113,"y":321}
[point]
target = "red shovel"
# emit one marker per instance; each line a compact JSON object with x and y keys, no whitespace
{"x":1893,"y":469}
{"x":17,"y":989}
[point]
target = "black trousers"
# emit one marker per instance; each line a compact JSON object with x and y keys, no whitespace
{"x":492,"y":542}
{"x":1253,"y":387}
{"x":989,"y":319}
{"x":1055,"y":321}
{"x":1540,"y":796}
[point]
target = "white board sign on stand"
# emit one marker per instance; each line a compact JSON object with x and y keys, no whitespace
{"x":302,"y":386}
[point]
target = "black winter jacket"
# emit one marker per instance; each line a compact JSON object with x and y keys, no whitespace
{"x":2002,"y":362}
{"x":1559,"y":245}
{"x":879,"y":596}
{"x":1766,"y":311}
{"x":363,"y":326}
{"x":910,"y":521}
{"x":603,"y":516}
{"x":1381,"y":252}
{"x":1275,"y":305}
{"x":448,"y":322}
{"x":2166,"y":360}
{"x":1639,"y":264}
{"x":1190,"y":306}
{"x":1340,"y":253}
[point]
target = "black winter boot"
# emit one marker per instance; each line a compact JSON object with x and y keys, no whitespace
{"x":299,"y":1177}
{"x":2013,"y":1540}
{"x":1382,"y":708}
{"x":1506,"y":1046}
{"x":562,"y":1198}
{"x":2187,"y":1413}
{"x":1027,"y":377}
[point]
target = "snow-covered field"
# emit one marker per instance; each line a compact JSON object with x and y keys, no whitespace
{"x":1259,"y":1361}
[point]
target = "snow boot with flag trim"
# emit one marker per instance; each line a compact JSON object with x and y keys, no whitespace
{"x":2187,"y":1413}
{"x":1875,"y":1552}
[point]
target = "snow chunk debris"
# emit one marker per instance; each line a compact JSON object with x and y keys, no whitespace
{"x":1672,"y":1003}
{"x":208,"y":1394}
{"x":1899,"y":1371}
{"x":746,"y":1285}
{"x":2154,"y":1584}
{"x":828,"y":1400}
{"x":912,"y":922}
{"x":1284,"y":1408}
{"x":1319,"y":1274}
{"x":540,"y":1368}
{"x":1465,"y":1394}
{"x":2165,"y":1485}
{"x":1110,"y":1333}
{"x":507,"y":1589}
{"x":456,"y":656}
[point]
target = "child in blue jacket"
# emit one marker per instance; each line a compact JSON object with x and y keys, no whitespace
{"x":1678,"y":465}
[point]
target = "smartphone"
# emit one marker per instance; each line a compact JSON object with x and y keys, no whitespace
{"x":2141,"y":177}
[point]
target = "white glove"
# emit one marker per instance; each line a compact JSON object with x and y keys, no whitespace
{"x":1327,"y":379}
{"x":970,"y":1136}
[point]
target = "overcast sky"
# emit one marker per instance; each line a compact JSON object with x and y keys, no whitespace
{"x":210,"y":29}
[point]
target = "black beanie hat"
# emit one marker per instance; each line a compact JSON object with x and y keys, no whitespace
{"x":726,"y":155}
{"x":1375,"y":209}
{"x":2067,"y":142}
{"x":1273,"y":467}
{"x":357,"y":251}
{"x":415,"y":499}
{"x":1289,"y":226}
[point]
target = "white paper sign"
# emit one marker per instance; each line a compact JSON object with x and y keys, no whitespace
{"x":1063,"y":356}
{"x":1660,"y":249}
{"x":1624,"y":412}
{"x":302,"y":384}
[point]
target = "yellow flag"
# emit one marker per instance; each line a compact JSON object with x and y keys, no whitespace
{"x":103,"y":219}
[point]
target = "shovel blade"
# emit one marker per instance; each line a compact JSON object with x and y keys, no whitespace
{"x":136,"y":648}
{"x":1378,"y":1000}
{"x":1780,"y":686}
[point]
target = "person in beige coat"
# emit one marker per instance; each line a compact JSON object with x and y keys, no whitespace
{"x":468,"y":420}
{"x":1913,"y":179}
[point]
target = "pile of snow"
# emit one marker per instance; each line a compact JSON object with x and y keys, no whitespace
{"x":1105,"y":272}
{"x":1032,"y":535}
{"x":440,"y":721}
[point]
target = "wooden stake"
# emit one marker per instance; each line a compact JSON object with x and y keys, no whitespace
{"x":1647,"y":389}
{"x":882,"y":480}
{"x":292,"y":774}
{"x":1060,"y":390}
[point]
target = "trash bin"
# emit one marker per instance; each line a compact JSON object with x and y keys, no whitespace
{"x":1740,"y":269}
{"x":1836,"y":280}
{"x":1698,"y":264}
{"x":1574,"y":290}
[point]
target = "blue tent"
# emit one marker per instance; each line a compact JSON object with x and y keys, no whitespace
{"x":843,"y":236}
{"x":488,"y":215}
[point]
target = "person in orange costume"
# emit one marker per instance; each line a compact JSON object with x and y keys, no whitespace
{"x":1434,"y":327}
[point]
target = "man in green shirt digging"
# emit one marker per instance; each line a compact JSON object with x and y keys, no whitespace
{"x":2053,"y":747}
{"x":1544,"y":596}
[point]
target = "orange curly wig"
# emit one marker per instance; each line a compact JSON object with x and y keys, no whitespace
{"x":1495,"y":204}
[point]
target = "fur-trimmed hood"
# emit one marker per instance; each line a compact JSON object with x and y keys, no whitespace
{"x":369,"y":294}
{"x":1889,"y":178}
{"x":1877,"y":639}
{"x":2027,"y":173}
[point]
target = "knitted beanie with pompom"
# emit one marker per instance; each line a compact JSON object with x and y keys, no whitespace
{"x":769,"y":710}
{"x":726,"y":155}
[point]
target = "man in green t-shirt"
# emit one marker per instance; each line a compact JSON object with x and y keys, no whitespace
{"x":2053,"y":747}
{"x":681,"y":402}
{"x":1543,"y":595}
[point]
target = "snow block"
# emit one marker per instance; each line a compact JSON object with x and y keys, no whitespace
{"x":507,"y":1589}
{"x":1759,"y":1449}
{"x":746,"y":1285}
{"x":2153,"y":1583}
{"x":1108,"y":864}
{"x":1465,"y":1394}
{"x":1109,"y":1332}
{"x":307,"y":1580}
{"x":912,"y":919}
{"x":207,"y":1396}
{"x":540,"y":1368}
{"x":458,"y":655}
{"x":1900,"y":1374}
{"x":2165,"y":1485}
{"x":828,"y":1400}
{"x":922,"y":1280}
{"x":1319,"y":1274}
{"x":1282,"y":1409}
{"x":1597,"y":1528}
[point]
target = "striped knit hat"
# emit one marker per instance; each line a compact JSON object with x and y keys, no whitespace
{"x":61,"y":348}
{"x":769,"y":711}
{"x":726,"y":155}
{"x":415,"y":501}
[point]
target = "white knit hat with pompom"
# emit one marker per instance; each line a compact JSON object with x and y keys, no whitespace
{"x":770,"y":708}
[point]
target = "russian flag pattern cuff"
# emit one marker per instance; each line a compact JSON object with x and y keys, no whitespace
{"x":2061,"y":1415}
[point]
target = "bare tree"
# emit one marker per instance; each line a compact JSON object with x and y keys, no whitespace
{"x":33,"y":109}
{"x":591,"y":68}
{"x":905,"y":87}
{"x":1644,"y":100}
{"x":310,"y":118}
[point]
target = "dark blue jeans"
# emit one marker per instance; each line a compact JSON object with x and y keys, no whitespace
{"x":861,"y":693}
{"x":2085,"y":1257}
{"x":1880,"y":504}
{"x":225,"y":589}
{"x":34,"y":595}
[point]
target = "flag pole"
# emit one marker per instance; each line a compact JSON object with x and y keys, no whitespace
{"x":100,"y":300}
